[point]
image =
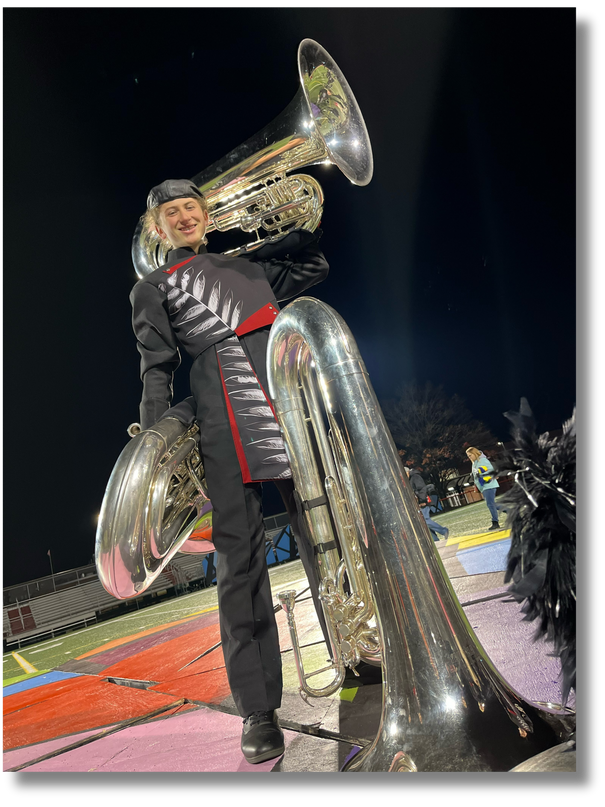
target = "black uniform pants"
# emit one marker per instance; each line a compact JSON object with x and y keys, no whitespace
{"x":247,"y":621}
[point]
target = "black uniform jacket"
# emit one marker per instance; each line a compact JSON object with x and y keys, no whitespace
{"x":207,"y":301}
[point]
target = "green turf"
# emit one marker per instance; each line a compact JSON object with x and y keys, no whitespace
{"x":470,"y":520}
{"x":52,"y":653}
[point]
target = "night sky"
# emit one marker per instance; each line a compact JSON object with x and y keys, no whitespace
{"x":455,"y":265}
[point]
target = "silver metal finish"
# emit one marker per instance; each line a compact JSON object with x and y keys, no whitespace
{"x":445,"y":706}
{"x":250,"y":188}
{"x":154,"y":500}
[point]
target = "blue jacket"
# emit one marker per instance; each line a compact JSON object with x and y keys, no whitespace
{"x":481,"y":476}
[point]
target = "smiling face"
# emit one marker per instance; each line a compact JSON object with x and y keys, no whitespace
{"x":183,"y":222}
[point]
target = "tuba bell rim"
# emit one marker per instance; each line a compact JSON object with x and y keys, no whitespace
{"x":310,"y":56}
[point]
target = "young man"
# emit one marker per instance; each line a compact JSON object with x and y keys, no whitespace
{"x":220,"y":310}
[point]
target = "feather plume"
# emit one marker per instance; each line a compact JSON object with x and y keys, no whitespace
{"x":541,"y":514}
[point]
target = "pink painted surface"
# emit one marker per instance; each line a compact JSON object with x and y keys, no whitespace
{"x":18,"y":756}
{"x":200,"y":741}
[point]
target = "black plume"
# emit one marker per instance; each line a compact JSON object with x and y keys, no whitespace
{"x":541,"y":515}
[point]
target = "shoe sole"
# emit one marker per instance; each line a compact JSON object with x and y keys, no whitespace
{"x":275,"y":752}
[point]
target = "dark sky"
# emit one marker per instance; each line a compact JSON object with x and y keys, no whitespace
{"x":455,"y":265}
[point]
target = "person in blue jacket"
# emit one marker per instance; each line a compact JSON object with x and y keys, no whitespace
{"x":485,"y":482}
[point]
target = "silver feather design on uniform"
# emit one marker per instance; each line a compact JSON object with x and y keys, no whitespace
{"x":220,"y":315}
{"x":248,"y":395}
{"x":270,"y":426}
{"x":237,"y":365}
{"x":242,"y":379}
{"x":270,"y":443}
{"x":276,"y":458}
{"x":258,"y":412}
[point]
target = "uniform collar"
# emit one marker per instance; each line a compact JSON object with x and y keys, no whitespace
{"x":181,"y":254}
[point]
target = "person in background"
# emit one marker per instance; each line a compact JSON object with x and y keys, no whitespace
{"x":485,"y":482}
{"x":422,"y":495}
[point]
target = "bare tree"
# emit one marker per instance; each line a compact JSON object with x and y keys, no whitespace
{"x":432,"y":430}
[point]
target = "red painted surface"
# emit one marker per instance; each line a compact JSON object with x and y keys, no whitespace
{"x":77,"y":704}
{"x":164,"y":661}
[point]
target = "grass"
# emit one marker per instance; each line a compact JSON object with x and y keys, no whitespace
{"x":470,"y":520}
{"x":52,"y":653}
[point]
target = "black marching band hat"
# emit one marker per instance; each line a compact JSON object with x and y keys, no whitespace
{"x":172,"y":189}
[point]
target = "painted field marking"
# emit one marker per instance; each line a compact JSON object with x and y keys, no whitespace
{"x":42,"y":649}
{"x":465,"y":541}
{"x":25,"y":665}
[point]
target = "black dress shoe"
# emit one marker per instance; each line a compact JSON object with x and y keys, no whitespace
{"x":368,"y":674}
{"x":262,"y":738}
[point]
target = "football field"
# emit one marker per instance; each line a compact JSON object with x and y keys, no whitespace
{"x":51,"y":653}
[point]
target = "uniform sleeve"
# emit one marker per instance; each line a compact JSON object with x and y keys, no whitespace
{"x":183,"y":411}
{"x":158,"y":348}
{"x":302,"y":266}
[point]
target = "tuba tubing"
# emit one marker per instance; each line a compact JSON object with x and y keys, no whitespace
{"x":445,"y":707}
{"x":250,"y":187}
{"x":151,"y":506}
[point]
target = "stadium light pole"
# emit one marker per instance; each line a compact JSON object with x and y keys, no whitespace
{"x":52,"y":573}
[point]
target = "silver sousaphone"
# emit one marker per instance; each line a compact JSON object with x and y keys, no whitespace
{"x":155,"y":504}
{"x":252,"y":188}
{"x":384,"y":590}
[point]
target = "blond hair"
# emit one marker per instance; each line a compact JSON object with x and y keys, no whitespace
{"x":476,"y":452}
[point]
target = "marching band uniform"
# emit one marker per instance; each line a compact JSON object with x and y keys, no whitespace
{"x":220,"y":310}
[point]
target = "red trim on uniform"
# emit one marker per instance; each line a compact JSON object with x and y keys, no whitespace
{"x":177,"y":266}
{"x":237,"y":440}
{"x":264,"y":316}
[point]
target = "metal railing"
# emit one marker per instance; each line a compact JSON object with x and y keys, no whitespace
{"x":59,"y":602}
